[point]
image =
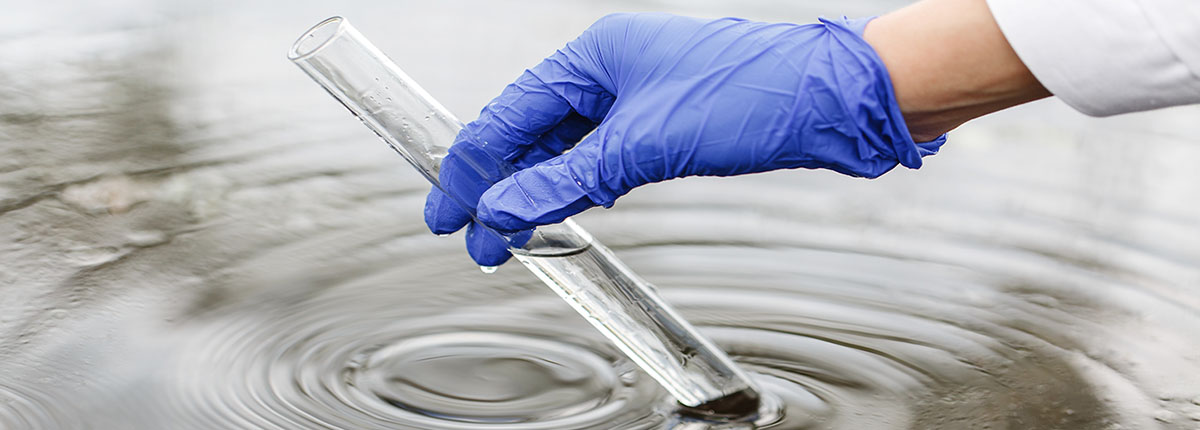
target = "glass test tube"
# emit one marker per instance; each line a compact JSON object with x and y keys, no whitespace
{"x":625,"y":308}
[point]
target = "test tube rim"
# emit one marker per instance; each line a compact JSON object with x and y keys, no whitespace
{"x":298,"y":53}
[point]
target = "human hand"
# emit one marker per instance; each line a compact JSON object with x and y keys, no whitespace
{"x":666,"y":97}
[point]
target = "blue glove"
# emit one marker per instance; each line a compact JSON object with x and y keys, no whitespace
{"x":665,"y":97}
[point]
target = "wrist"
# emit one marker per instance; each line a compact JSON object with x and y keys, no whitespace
{"x":949,"y":63}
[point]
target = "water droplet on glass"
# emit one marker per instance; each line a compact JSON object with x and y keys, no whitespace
{"x":489,"y":269}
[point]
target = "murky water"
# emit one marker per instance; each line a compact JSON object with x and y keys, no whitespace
{"x":192,"y":236}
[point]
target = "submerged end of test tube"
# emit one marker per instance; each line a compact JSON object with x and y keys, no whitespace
{"x":740,"y":406}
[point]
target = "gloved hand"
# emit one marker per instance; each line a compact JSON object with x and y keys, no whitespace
{"x":667,"y":97}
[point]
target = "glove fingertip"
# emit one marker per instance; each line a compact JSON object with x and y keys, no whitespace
{"x":442,"y":214}
{"x":486,"y":248}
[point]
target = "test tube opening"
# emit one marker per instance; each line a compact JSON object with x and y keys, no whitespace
{"x":317,"y":38}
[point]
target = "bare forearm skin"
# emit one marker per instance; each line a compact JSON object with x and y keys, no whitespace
{"x":949,"y":63}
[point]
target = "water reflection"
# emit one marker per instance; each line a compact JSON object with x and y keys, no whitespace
{"x":191,"y":236}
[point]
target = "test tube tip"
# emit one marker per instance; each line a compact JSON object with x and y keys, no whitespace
{"x":740,"y":406}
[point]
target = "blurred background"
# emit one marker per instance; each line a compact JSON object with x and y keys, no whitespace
{"x":194,"y":235}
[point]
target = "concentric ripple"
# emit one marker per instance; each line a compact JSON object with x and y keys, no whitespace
{"x":908,"y":344}
{"x":472,"y":368}
{"x":486,"y":377}
{"x":28,"y":408}
{"x":838,"y":334}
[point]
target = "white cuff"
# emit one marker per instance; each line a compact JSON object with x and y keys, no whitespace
{"x":1105,"y":57}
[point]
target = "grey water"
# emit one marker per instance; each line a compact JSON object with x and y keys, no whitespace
{"x":193,"y":237}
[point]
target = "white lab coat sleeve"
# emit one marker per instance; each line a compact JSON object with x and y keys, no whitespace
{"x":1105,"y":57}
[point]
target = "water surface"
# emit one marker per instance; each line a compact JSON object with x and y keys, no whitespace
{"x":193,"y":236}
